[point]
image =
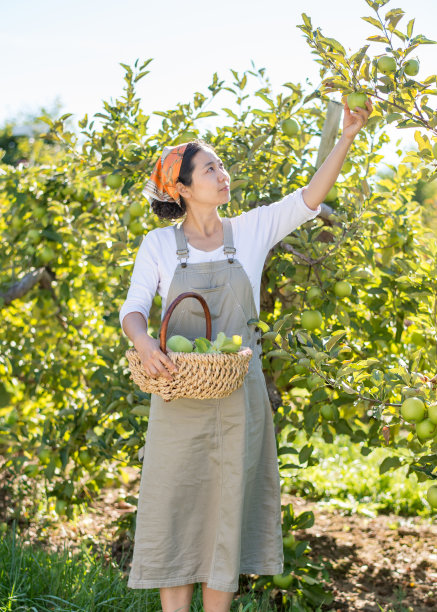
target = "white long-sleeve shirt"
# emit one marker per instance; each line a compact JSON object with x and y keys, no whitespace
{"x":254,"y":232}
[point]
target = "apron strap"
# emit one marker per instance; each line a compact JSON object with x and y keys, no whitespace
{"x":181,"y":244}
{"x":182,"y":247}
{"x":228,"y":245}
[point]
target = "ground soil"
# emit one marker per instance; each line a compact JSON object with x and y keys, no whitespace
{"x":385,"y":563}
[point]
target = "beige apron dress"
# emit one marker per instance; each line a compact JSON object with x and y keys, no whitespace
{"x":209,"y":505}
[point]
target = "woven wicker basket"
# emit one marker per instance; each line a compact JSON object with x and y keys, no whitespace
{"x":200,"y":375}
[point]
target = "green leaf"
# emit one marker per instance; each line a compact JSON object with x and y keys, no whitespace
{"x":281,"y":322}
{"x":305,"y":453}
{"x":336,"y":45}
{"x":261,"y":324}
{"x":203,"y":345}
{"x":390,"y":463}
{"x":230,"y":113}
{"x":304,"y":338}
{"x":304,"y":520}
{"x":307,"y":21}
{"x":205,"y":114}
{"x":335,"y":339}
{"x":378,"y":38}
{"x":393,"y":117}
{"x":272,"y":335}
{"x":265,"y":98}
{"x":259,"y":140}
{"x":410,"y":27}
{"x":366,"y":363}
{"x":394,"y":13}
{"x":279,"y":353}
{"x":422,"y":40}
{"x":348,"y":388}
{"x":373,"y":21}
{"x":141,"y":75}
{"x":399,"y":34}
{"x":221,"y":337}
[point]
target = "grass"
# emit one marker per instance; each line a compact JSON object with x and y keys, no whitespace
{"x":346,"y":479}
{"x":33,"y":579}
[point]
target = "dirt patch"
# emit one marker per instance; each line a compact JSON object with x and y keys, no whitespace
{"x":387,"y":562}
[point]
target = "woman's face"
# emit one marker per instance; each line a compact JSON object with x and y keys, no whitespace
{"x":209,"y":179}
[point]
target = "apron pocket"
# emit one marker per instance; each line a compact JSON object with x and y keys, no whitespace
{"x":195,"y":308}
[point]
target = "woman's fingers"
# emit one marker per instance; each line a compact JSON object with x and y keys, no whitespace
{"x":161,"y":366}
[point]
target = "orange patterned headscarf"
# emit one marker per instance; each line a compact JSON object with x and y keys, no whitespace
{"x":162,"y":182}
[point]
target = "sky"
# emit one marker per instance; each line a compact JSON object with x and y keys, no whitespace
{"x":69,"y":53}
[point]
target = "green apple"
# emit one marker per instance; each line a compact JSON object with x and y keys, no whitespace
{"x":289,"y":541}
{"x":60,"y":506}
{"x":131,"y":151}
{"x":290,"y":127}
{"x":357,"y":99}
{"x":342,"y":289}
{"x":332,"y":195}
{"x":432,"y":413}
{"x":47,"y":254}
{"x":411,"y":67}
{"x":31,"y":470}
{"x":387,"y":64}
{"x":136,"y":209}
{"x":81,"y":195}
{"x":327,"y":412}
{"x":44,"y":455}
{"x":431,"y":496}
{"x":281,"y":581}
{"x":347,"y":166}
{"x":64,"y":348}
{"x":39,"y":212}
{"x":180,"y":344}
{"x":17,"y":223}
{"x":34,"y":236}
{"x":114,"y":180}
{"x":85,"y":458}
{"x":311,"y":319}
{"x":426,"y":429}
{"x":413,"y":410}
{"x":136,"y":227}
{"x":313,"y":294}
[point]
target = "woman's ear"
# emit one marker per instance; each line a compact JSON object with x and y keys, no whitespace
{"x":182,"y":189}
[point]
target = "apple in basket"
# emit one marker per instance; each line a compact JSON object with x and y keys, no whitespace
{"x":222,"y":344}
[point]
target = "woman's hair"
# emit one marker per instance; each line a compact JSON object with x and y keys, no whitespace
{"x":171,"y":210}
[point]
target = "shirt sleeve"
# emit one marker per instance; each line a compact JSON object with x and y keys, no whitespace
{"x":277,"y":220}
{"x":144,"y":281}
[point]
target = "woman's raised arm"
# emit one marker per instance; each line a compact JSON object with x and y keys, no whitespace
{"x":328,"y":172}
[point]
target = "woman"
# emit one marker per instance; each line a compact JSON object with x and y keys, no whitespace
{"x":209,"y":504}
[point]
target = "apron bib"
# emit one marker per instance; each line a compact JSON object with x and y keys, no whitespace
{"x":209,"y":504}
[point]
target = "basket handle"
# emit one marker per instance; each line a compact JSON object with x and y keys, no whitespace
{"x":166,"y":319}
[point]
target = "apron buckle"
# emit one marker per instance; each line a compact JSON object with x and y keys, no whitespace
{"x":231,"y":250}
{"x":180,"y":254}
